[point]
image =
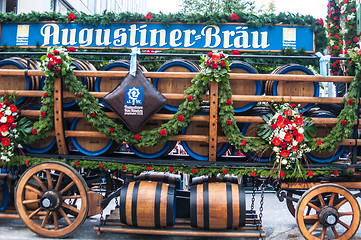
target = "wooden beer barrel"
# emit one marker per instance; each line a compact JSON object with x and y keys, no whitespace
{"x":154,"y":151}
{"x":204,"y":179}
{"x":292,"y":88}
{"x":244,"y":87}
{"x":148,"y":204}
{"x":6,"y":191}
{"x":160,"y":177}
{"x":200,"y":150}
{"x":323,"y":131}
{"x":217,"y":206}
{"x":174,"y":85}
{"x":91,"y":146}
{"x":20,"y":82}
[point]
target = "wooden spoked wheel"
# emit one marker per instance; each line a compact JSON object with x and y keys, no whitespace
{"x":337,"y":216}
{"x":58,"y":203}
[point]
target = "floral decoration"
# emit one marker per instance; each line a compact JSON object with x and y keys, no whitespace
{"x":57,"y":61}
{"x":215,"y":64}
{"x":333,"y":27}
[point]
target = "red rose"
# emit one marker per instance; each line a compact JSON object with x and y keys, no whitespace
{"x":253,"y":174}
{"x":71,"y":17}
{"x":276,"y":141}
{"x":346,"y":1}
{"x":222,"y":63}
{"x":137,"y":137}
{"x":337,"y":36}
{"x":243,"y":143}
{"x":5,"y":142}
{"x":101,"y":165}
{"x":45,"y":95}
{"x":320,"y":21}
{"x":335,"y":172}
{"x":208,"y":63}
{"x":221,"y":55}
{"x":214,"y":65}
{"x":43,"y":114}
{"x":189,"y":97}
{"x":59,"y":61}
{"x":353,"y":10}
{"x":162,"y":132}
{"x":71,"y":49}
{"x":6,"y":103}
{"x":344,"y":122}
{"x":215,"y":58}
{"x":228,"y":122}
{"x":283,"y":145}
{"x":13,"y":126}
{"x":228,"y":102}
{"x":49,"y":66}
{"x":319,"y":143}
{"x":171,"y":169}
{"x":310,"y":173}
{"x":210,"y":54}
{"x":294,"y":132}
{"x":335,"y":47}
{"x":149,"y":169}
{"x":79,"y":95}
{"x":350,"y":102}
{"x":50,"y":55}
{"x":285,"y":153}
{"x":180,"y":118}
{"x":56,"y":52}
{"x":356,"y":39}
{"x":235,"y":52}
{"x":148,"y":17}
{"x":299,"y":137}
{"x":194,"y":170}
{"x":33,"y":131}
{"x":124,"y":167}
{"x":111,"y":130}
{"x":224,"y":171}
{"x":282,"y":174}
{"x":234,"y":17}
{"x":26,"y":162}
{"x":76,"y":163}
{"x":92,"y":115}
{"x":57,"y":70}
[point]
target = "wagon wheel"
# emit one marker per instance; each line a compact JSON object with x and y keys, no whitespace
{"x":51,"y":199}
{"x":336,"y":217}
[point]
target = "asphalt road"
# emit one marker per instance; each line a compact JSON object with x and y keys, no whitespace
{"x":277,"y":222}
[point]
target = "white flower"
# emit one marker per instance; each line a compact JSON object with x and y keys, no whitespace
{"x":294,"y":143}
{"x":284,"y":161}
{"x":5,"y":133}
{"x":3,"y":119}
{"x":7,"y":112}
{"x":301,"y":130}
{"x":276,"y":149}
{"x":282,"y":135}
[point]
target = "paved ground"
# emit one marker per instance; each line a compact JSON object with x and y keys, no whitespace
{"x":278,"y":224}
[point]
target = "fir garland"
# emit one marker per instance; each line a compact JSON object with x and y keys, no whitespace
{"x":334,"y":34}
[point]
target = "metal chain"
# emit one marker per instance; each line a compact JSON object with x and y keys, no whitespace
{"x":263,"y":186}
{"x":253,"y":193}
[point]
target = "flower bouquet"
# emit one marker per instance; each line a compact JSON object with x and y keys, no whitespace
{"x":215,"y":64}
{"x":289,"y":134}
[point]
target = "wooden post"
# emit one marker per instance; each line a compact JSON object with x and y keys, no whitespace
{"x":213,"y":119}
{"x":58,"y":117}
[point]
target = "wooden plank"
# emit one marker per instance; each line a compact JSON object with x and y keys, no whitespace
{"x":58,"y":117}
{"x":307,"y":185}
{"x":290,"y":99}
{"x":9,"y":216}
{"x":213,"y":121}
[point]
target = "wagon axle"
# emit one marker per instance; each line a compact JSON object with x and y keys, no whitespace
{"x":328,"y":216}
{"x":51,"y":200}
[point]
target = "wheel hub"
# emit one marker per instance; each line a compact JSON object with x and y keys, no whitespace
{"x":328,"y":216}
{"x":51,"y":200}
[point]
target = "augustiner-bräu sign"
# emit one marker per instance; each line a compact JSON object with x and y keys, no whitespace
{"x":159,"y":36}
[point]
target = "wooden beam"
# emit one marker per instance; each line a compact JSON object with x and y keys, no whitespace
{"x":59,"y":118}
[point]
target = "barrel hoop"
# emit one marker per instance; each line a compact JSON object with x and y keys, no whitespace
{"x":123,"y":197}
{"x":158,"y":193}
{"x":171,"y":198}
{"x":205,"y":206}
{"x":193,"y":206}
{"x":166,"y":178}
{"x":229,"y":205}
{"x":242,"y":206}
{"x":134,"y":203}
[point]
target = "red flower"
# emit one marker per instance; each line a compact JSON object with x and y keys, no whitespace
{"x":295,"y":132}
{"x":276,"y":141}
{"x":344,"y":122}
{"x":43,"y":114}
{"x":319,"y":143}
{"x":5,"y":142}
{"x":101,"y":165}
{"x":295,"y":148}
{"x":224,"y":171}
{"x":310,"y":173}
{"x":6,"y":103}
{"x":335,"y":47}
{"x":59,"y":61}
{"x":285,"y":153}
{"x":56,"y":52}
{"x":170,"y":169}
{"x":10,"y":119}
{"x":92,"y":115}
{"x":71,"y":49}
{"x":335,"y":172}
{"x":208,"y":63}
{"x":149,"y":169}
{"x":253,"y":174}
{"x":13,"y":108}
{"x":320,"y":21}
{"x":79,"y":95}
{"x":346,"y":1}
{"x":180,"y":118}
{"x":234,"y":17}
{"x":288,"y":112}
{"x":228,"y":122}
{"x":359,"y":53}
{"x":299,"y":121}
{"x":162,"y":132}
{"x":282,"y":174}
{"x":274,"y":126}
{"x":76,"y":163}
{"x":33,"y":131}
{"x":221,"y":55}
{"x":57,"y":70}
{"x":337,"y":36}
{"x":214,"y":65}
{"x":49,"y":66}
{"x":300,"y":137}
{"x":355,"y":39}
{"x":194,"y":170}
{"x":350,"y":102}
{"x":71,"y":16}
{"x":13,"y":126}
{"x":111,"y":130}
{"x":243,"y":143}
{"x":148,"y":17}
{"x":124,"y":167}
{"x":235,"y":52}
{"x":189,"y":97}
{"x":222,"y":63}
{"x":288,"y":137}
{"x":137,"y":137}
{"x":26,"y":162}
{"x":283,"y":145}
{"x":215,"y":58}
{"x":228,"y":102}
{"x":50,"y":55}
{"x":45,"y":95}
{"x":209,"y":54}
